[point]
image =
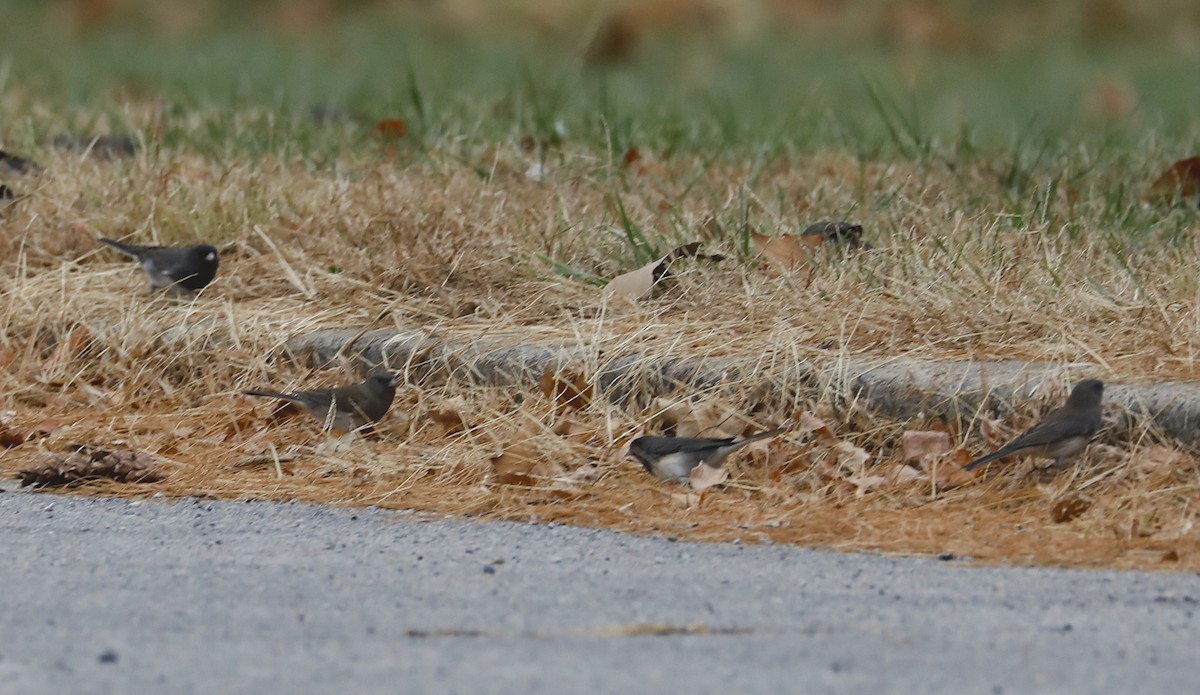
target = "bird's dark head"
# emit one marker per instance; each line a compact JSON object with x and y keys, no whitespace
{"x":205,"y":254}
{"x":1086,"y":392}
{"x":201,"y":268}
{"x":383,"y":382}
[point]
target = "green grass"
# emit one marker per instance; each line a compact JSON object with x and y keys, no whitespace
{"x":776,"y":94}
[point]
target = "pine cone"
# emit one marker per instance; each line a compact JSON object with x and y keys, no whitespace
{"x":85,"y":462}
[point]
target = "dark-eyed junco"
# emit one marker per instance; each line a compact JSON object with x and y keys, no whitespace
{"x":180,"y":269}
{"x":1062,"y":434}
{"x":343,"y":408}
{"x":844,"y":233}
{"x":673,"y":458}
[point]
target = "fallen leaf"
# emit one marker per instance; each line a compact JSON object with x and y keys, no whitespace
{"x":10,"y":438}
{"x":705,"y":476}
{"x":901,"y":473}
{"x":866,"y":483}
{"x":947,"y":471}
{"x":1179,"y":182}
{"x":638,"y":283}
{"x":391,"y":128}
{"x":1068,"y":508}
{"x":567,"y":388}
{"x":522,"y":465}
{"x":584,"y":473}
{"x":785,"y":251}
{"x":916,"y":445}
{"x":851,"y":458}
{"x":44,"y":429}
{"x":807,"y":422}
{"x":573,"y":431}
{"x":449,"y":416}
{"x":709,"y":417}
{"x":987,"y":430}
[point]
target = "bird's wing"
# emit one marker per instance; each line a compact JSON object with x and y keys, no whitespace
{"x":701,"y":444}
{"x":1053,"y":429}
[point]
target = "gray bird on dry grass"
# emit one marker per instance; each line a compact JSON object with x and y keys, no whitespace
{"x":344,"y":408}
{"x":182,"y":270}
{"x":673,"y":458}
{"x":1062,"y":434}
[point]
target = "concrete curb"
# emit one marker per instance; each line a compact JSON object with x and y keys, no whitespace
{"x":898,"y":389}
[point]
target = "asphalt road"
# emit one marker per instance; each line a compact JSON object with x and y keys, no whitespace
{"x":106,"y":596}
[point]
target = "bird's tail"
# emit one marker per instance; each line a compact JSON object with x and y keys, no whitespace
{"x":272,"y":394}
{"x":132,"y":250}
{"x":764,"y":435}
{"x":999,"y":453}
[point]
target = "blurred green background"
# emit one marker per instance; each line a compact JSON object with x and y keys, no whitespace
{"x":881,"y":79}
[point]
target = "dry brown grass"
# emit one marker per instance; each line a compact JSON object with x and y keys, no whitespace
{"x":93,"y":358}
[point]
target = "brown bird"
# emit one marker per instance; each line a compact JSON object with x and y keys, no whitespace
{"x":344,"y":408}
{"x":673,"y":458}
{"x":1060,"y":435}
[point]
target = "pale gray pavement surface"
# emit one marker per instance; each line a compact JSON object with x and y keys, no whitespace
{"x":105,"y":596}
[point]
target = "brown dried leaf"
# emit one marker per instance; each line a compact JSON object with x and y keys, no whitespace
{"x":851,"y":458}
{"x":522,"y":465}
{"x":10,"y":438}
{"x":391,"y":128}
{"x":866,"y":483}
{"x":947,"y":471}
{"x":784,"y":251}
{"x":449,"y":416}
{"x":1180,"y":181}
{"x":919,"y":444}
{"x":1069,"y":507}
{"x":706,"y":418}
{"x":705,"y":476}
{"x":900,"y":474}
{"x":807,"y":422}
{"x":567,"y":388}
{"x":638,"y":283}
{"x":987,"y":429}
{"x":573,"y":431}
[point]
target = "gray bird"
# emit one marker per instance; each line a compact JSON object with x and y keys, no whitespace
{"x":344,"y":408}
{"x":673,"y":458}
{"x":1062,"y":434}
{"x":183,"y":270}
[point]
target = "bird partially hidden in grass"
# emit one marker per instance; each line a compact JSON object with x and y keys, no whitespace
{"x":182,"y":270}
{"x":345,"y":408}
{"x":1062,"y":434}
{"x":673,"y":458}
